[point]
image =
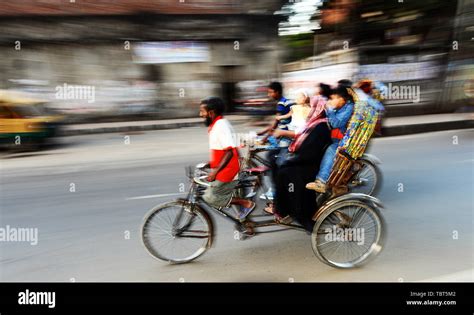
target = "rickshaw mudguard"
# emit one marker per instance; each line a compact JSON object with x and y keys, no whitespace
{"x":371,"y":158}
{"x":352,"y":196}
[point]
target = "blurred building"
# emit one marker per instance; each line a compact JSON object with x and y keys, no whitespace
{"x":422,"y":47}
{"x":159,"y":57}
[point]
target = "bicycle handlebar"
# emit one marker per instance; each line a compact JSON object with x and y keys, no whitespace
{"x":263,"y":148}
{"x":200,"y":180}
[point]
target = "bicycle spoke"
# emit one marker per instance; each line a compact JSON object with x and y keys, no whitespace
{"x":353,"y":243}
{"x":160,"y":236}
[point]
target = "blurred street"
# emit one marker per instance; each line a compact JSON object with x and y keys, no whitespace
{"x":92,"y":233}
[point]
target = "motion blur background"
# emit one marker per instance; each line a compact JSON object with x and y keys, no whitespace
{"x":156,"y":59}
{"x":108,"y":76}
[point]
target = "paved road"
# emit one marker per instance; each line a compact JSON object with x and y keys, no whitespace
{"x":83,"y":234}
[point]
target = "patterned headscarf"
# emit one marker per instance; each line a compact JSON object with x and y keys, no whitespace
{"x":316,"y":116}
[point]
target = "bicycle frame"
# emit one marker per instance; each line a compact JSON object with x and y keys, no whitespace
{"x":194,"y":198}
{"x":192,"y":212}
{"x":253,"y":156}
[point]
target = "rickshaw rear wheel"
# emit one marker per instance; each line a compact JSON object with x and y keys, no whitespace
{"x":348,"y":234}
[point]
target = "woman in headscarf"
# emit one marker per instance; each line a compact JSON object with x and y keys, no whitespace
{"x":306,"y":151}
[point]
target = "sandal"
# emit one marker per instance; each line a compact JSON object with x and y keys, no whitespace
{"x":244,"y":212}
{"x":269,"y":209}
{"x":285,"y":220}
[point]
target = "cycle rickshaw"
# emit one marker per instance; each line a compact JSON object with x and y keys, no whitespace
{"x":349,"y":229}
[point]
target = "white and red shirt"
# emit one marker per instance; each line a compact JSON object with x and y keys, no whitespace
{"x":221,"y":139}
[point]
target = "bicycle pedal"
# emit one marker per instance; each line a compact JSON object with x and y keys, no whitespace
{"x":245,"y":236}
{"x":245,"y":232}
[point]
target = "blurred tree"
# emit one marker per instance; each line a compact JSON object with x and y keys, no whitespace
{"x":297,"y":46}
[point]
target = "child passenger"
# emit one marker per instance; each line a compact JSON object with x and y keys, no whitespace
{"x":299,"y":112}
{"x":338,"y":110}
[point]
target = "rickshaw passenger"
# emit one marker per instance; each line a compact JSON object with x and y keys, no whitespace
{"x":307,"y":149}
{"x":339,"y":110}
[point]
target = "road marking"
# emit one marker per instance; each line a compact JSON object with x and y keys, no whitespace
{"x":154,"y":196}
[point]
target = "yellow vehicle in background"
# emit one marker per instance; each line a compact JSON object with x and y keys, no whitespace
{"x":25,"y":122}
